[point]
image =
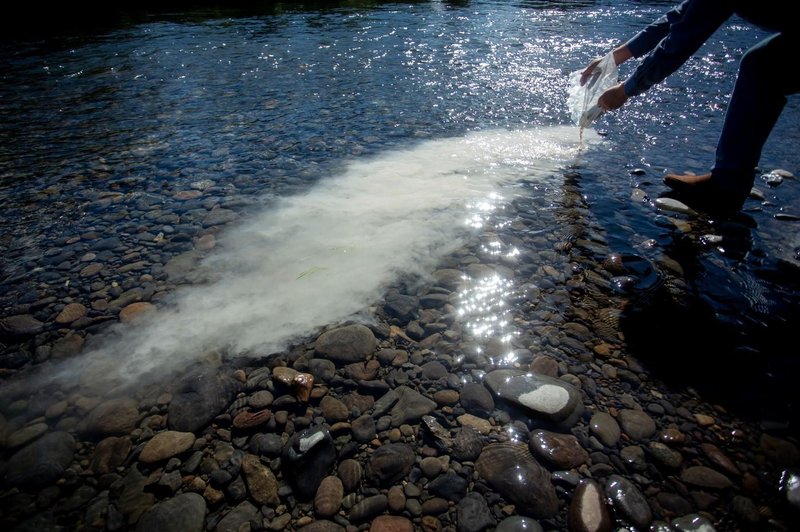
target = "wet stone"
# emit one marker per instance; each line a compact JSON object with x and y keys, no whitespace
{"x":516,"y":475}
{"x":467,"y":445}
{"x":410,"y":407}
{"x":368,"y":508}
{"x":391,"y":523}
{"x":588,"y":511}
{"x":20,"y":325}
{"x":543,"y":396}
{"x":198,"y":398}
{"x":476,"y":399}
{"x":307,"y":458}
{"x":705,"y":477}
{"x":473,"y":514}
{"x":261,"y":482}
{"x":328,"y":498}
{"x":449,"y":486}
{"x":111,"y":418}
{"x":518,"y":523}
{"x":693,"y":523}
{"x":389,"y":464}
{"x":70,"y":313}
{"x":42,"y":461}
{"x":352,"y":343}
{"x":562,"y":450}
{"x":637,"y":424}
{"x":166,"y":445}
{"x":25,"y":435}
{"x":629,"y":501}
{"x":185,"y":512}
{"x":241,"y":515}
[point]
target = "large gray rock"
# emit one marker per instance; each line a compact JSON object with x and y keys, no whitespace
{"x":198,"y":399}
{"x":42,"y":462}
{"x":351,"y":343}
{"x":543,"y":396}
{"x":185,"y":512}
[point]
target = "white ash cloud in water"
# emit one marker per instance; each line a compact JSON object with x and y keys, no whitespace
{"x":318,"y":258}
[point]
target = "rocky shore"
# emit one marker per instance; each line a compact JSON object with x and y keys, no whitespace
{"x":403,"y":419}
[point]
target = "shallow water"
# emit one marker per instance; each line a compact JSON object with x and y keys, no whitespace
{"x":336,"y":124}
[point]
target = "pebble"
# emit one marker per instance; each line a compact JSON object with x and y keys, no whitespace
{"x":562,"y":450}
{"x":543,"y":396}
{"x":606,"y":428}
{"x":517,"y":476}
{"x":637,"y":424}
{"x":165,"y":445}
{"x":588,"y":511}
{"x":629,"y":501}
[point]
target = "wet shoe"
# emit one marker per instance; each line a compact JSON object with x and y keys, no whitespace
{"x":705,"y":195}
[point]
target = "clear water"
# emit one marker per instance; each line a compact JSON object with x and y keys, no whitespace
{"x":98,"y":133}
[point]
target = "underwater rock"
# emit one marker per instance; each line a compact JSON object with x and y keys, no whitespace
{"x":516,"y":475}
{"x":543,"y":396}
{"x":41,"y":462}
{"x":307,"y":458}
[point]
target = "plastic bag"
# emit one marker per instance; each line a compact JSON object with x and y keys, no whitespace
{"x":582,"y":101}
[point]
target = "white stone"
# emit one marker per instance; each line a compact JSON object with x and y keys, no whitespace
{"x":547,"y":398}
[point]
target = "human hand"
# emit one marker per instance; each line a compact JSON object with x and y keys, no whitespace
{"x":587,"y":73}
{"x":613,"y":98}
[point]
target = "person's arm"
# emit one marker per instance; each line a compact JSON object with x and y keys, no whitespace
{"x":648,"y":38}
{"x":698,"y":21}
{"x":642,"y":42}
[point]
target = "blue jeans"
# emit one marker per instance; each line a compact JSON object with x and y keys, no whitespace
{"x":768,"y":73}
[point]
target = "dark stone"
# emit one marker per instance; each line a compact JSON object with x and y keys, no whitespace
{"x":473,"y":514}
{"x":42,"y":462}
{"x":389,"y":464}
{"x":198,"y":399}
{"x":307,"y":458}
{"x":449,"y":486}
{"x":185,"y":512}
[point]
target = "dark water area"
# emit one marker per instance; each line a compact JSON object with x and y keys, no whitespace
{"x":284,"y":143}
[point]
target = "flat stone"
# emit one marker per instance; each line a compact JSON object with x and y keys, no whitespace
{"x":637,"y":424}
{"x":562,"y":450}
{"x":606,"y":428}
{"x":705,"y":477}
{"x":261,"y":482}
{"x":588,"y":511}
{"x":70,"y":313}
{"x":135,"y":311}
{"x":410,"y":407}
{"x":629,"y":501}
{"x":25,"y":434}
{"x":41,"y":462}
{"x":543,"y":396}
{"x":352,"y":343}
{"x":20,"y":325}
{"x":115,"y":417}
{"x":166,"y":445}
{"x":185,"y":512}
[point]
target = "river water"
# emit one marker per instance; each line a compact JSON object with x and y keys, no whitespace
{"x":258,"y":108}
{"x":345,"y":150}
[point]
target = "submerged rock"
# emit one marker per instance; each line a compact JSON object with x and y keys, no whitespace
{"x":41,"y":462}
{"x":543,"y":396}
{"x":516,"y":475}
{"x":199,"y":397}
{"x":352,"y":343}
{"x":308,"y":458}
{"x":185,"y":512}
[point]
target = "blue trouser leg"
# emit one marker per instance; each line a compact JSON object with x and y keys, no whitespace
{"x":767,"y":74}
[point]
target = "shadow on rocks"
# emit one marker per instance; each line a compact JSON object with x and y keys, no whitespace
{"x":726,"y":329}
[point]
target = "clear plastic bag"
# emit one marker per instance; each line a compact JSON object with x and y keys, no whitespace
{"x":582,"y":100}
